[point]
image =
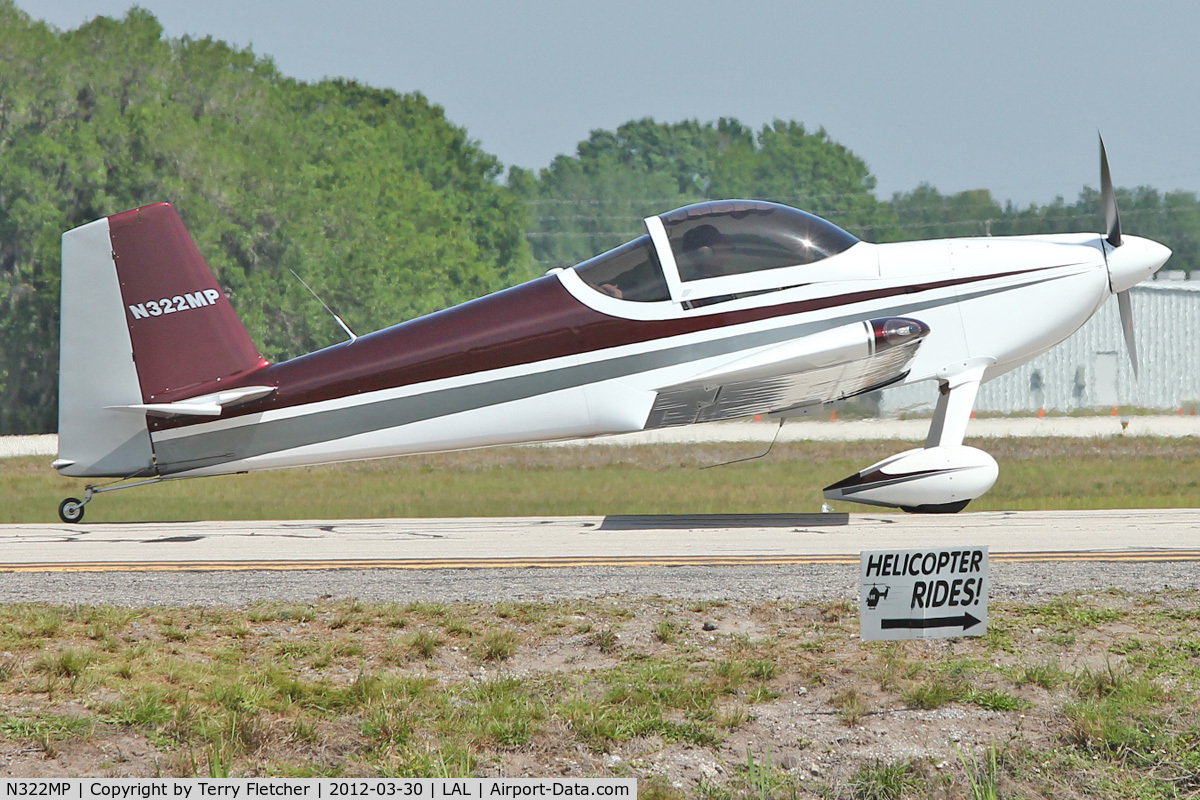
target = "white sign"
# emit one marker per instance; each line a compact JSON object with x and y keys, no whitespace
{"x":923,"y":594}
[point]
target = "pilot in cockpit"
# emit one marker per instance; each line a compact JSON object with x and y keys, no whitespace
{"x":705,"y":253}
{"x":643,"y":282}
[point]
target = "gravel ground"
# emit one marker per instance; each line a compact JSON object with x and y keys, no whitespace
{"x":1025,"y":582}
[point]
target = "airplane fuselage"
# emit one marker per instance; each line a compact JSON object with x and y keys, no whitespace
{"x":554,"y":359}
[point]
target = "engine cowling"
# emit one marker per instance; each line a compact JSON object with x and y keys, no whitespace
{"x":928,"y":480}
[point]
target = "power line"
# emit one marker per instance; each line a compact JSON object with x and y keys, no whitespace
{"x":983,"y":223}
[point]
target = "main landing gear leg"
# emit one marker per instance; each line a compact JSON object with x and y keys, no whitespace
{"x":70,"y":510}
{"x":956,"y":398}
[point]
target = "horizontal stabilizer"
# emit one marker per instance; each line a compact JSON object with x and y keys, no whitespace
{"x":208,"y":405}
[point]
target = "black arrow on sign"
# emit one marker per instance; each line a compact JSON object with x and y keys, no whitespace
{"x":965,"y":620}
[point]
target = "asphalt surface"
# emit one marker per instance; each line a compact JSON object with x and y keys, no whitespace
{"x":764,"y":557}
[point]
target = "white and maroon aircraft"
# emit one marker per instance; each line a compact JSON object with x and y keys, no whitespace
{"x":720,"y":310}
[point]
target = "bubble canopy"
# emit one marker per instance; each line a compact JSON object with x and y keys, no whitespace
{"x":733,"y":237}
{"x":716,"y":239}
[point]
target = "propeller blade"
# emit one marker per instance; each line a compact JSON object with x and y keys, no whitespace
{"x":1112,"y":220}
{"x":1126,"y":307}
{"x":1112,"y":224}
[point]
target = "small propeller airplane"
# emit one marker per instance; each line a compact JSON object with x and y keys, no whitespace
{"x":720,"y":310}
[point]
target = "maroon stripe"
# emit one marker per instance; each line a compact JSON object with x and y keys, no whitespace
{"x":535,"y":321}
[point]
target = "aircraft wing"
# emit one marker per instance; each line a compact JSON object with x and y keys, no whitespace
{"x":831,"y":365}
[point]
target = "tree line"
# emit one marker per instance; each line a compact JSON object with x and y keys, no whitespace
{"x":583,"y":204}
{"x":373,"y":197}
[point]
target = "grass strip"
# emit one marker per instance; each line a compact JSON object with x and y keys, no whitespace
{"x":1035,"y":474}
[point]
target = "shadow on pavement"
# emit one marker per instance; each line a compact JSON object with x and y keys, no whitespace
{"x":659,"y":522}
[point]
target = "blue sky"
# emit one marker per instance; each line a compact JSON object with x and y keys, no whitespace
{"x":1006,"y":96}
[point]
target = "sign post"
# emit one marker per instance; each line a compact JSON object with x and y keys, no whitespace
{"x":923,"y":594}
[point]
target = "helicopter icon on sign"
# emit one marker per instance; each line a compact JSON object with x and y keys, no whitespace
{"x":874,"y":596}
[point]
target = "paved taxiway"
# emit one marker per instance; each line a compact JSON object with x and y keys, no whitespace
{"x":796,"y":556}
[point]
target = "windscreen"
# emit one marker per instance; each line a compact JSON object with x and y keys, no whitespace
{"x":628,"y":272}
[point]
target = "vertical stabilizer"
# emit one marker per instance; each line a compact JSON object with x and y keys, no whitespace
{"x":143,"y":321}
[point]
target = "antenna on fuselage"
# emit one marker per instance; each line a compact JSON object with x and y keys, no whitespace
{"x":763,"y":454}
{"x":353,"y":336}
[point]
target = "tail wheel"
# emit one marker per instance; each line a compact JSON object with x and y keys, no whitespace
{"x":70,"y":510}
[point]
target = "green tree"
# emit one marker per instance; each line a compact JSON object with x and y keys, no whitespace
{"x":372,"y":196}
{"x":926,"y":213}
